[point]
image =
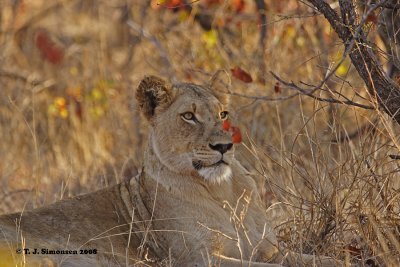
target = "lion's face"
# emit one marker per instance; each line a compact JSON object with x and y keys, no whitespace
{"x":187,"y":134}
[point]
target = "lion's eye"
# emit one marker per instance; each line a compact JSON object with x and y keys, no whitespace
{"x":188,"y":116}
{"x":224,"y":115}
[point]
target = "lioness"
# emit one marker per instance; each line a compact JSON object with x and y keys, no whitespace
{"x":193,"y":204}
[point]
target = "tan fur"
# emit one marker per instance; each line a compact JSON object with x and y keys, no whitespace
{"x":171,"y":214}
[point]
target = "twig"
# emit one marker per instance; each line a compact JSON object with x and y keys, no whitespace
{"x":310,"y":93}
{"x":363,"y":129}
{"x":178,"y":5}
{"x":381,"y":193}
{"x":263,"y":98}
{"x":261,"y":9}
{"x":12,"y":75}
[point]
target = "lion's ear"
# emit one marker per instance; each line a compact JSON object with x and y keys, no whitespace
{"x":220,"y":84}
{"x":152,"y":93}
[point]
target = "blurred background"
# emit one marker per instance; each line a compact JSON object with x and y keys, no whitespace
{"x":69,"y":123}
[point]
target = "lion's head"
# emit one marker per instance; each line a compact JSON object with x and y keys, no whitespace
{"x":187,"y":133}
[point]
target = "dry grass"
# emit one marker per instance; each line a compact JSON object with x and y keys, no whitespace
{"x":73,"y":127}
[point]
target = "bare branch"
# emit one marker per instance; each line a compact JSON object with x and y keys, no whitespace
{"x":261,"y":9}
{"x":363,"y":58}
{"x":262,"y":98}
{"x":310,"y":93}
{"x":13,"y":75}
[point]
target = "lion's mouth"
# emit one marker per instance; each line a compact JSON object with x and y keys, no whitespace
{"x":215,"y":173}
{"x":199,"y":165}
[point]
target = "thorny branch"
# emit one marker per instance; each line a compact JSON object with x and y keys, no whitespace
{"x":379,"y":85}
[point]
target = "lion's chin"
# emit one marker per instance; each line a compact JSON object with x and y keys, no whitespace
{"x":216,"y":174}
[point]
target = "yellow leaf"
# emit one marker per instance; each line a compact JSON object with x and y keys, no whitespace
{"x":97,"y":111}
{"x":300,"y":41}
{"x":183,"y":15}
{"x":96,"y":94}
{"x":52,"y":110}
{"x":64,"y":113}
{"x":290,"y":31}
{"x":73,"y":71}
{"x":59,"y":102}
{"x":210,"y":38}
{"x":342,"y":69}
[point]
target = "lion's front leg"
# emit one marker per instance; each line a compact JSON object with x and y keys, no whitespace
{"x":223,"y":261}
{"x":290,"y":258}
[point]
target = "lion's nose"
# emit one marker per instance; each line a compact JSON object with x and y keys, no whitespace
{"x":221,"y":147}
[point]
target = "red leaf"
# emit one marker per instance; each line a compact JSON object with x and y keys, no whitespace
{"x":173,"y":5}
{"x":226,"y":125}
{"x":236,"y":135}
{"x":240,"y":74}
{"x":238,"y":5}
{"x":209,"y":3}
{"x":397,"y":79}
{"x":78,"y":109}
{"x":278,"y":88}
{"x":373,"y":18}
{"x":49,"y":50}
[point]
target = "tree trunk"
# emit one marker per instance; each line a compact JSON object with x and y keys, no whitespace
{"x":383,"y":88}
{"x":388,"y":26}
